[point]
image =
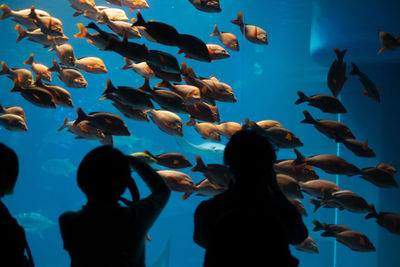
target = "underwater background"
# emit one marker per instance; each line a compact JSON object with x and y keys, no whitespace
{"x":265,"y":79}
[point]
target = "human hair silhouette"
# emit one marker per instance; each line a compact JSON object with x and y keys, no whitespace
{"x":13,"y":242}
{"x":104,"y":233}
{"x":252,"y":223}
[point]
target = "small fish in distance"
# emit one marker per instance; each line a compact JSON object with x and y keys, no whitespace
{"x":40,"y":69}
{"x":370,"y":89}
{"x":229,"y":40}
{"x":337,"y":73}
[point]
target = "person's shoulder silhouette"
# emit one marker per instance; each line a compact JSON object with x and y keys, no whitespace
{"x":103,"y":233}
{"x":13,"y":242}
{"x":252,"y":222}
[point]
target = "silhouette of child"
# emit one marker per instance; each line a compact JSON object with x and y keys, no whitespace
{"x":103,"y":233}
{"x":12,"y":236}
{"x":252,"y":223}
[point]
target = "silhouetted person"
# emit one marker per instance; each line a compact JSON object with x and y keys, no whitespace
{"x":103,"y":233}
{"x":12,"y":236}
{"x":252,"y":223}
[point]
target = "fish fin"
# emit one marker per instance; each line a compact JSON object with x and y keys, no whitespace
{"x":6,"y":11}
{"x":381,"y":50}
{"x":140,"y":21}
{"x":125,"y":37}
{"x":362,"y":241}
{"x":4,"y":68}
{"x":340,"y":54}
{"x":164,"y":84}
{"x":81,"y":116}
{"x":17,"y":86}
{"x":32,"y":13}
{"x":146,"y":86}
{"x":83,"y":129}
{"x":316,"y":203}
{"x":128,"y":64}
{"x":318,"y":226}
{"x":200,"y":166}
{"x":239,"y":20}
{"x":308,"y":118}
{"x":216,"y":31}
{"x":83,"y":33}
{"x":365,"y":146}
{"x":302,"y":97}
{"x":355,"y":70}
{"x":21,"y":33}
{"x":300,"y":158}
{"x":191,"y":94}
{"x":191,"y":122}
{"x":186,"y":195}
{"x":289,"y":137}
{"x":110,"y":88}
{"x":55,"y":67}
{"x":364,"y":92}
{"x":64,"y":125}
{"x":203,"y":90}
{"x":108,"y":121}
{"x":29,"y":61}
{"x":77,"y":13}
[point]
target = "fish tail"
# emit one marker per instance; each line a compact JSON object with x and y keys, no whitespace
{"x":32,"y":14}
{"x":355,"y":70}
{"x":65,"y":124}
{"x":6,"y":12}
{"x":164,"y":84}
{"x":77,"y":13}
{"x":128,"y":64}
{"x":184,"y":68}
{"x":239,"y":20}
{"x":17,"y":86}
{"x":186,"y":195}
{"x":300,"y":158}
{"x":318,"y":226}
{"x":191,"y":122}
{"x":302,"y":97}
{"x":340,"y":54}
{"x":106,"y":19}
{"x":140,"y":20}
{"x":83,"y":33}
{"x":29,"y":61}
{"x":4,"y":68}
{"x":21,"y":33}
{"x":81,"y":116}
{"x":55,"y":67}
{"x":309,"y":118}
{"x":373,"y":213}
{"x":215,"y":32}
{"x":53,"y":45}
{"x":146,"y":85}
{"x":200,"y":166}
{"x":316,"y":204}
{"x":149,"y":154}
{"x":108,"y":140}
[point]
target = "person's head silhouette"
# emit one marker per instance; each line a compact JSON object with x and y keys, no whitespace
{"x":8,"y":170}
{"x":250,"y":156}
{"x":103,"y":174}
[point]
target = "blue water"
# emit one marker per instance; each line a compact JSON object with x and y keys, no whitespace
{"x":265,"y":79}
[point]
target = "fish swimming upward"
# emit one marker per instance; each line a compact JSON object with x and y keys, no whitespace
{"x":205,"y":150}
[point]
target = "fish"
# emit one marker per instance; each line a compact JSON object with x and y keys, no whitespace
{"x":203,"y":111}
{"x":22,"y":16}
{"x":71,"y":77}
{"x":114,"y":14}
{"x":388,"y":41}
{"x":319,"y":188}
{"x":229,"y":40}
{"x":331,"y":164}
{"x":107,"y":122}
{"x":16,"y":110}
{"x":189,"y":93}
{"x":127,"y":110}
{"x":387,"y":220}
{"x":40,"y":69}
{"x":220,"y":91}
{"x":331,"y":204}
{"x":133,"y":51}
{"x":326,"y":103}
{"x":39,"y":37}
{"x":61,"y":96}
{"x":91,"y":65}
{"x":13,"y":123}
{"x":59,"y":167}
{"x":133,"y":97}
{"x":85,"y":130}
{"x":209,"y":6}
{"x":348,"y":200}
{"x":289,"y":186}
{"x":337,"y":73}
{"x":84,"y":5}
{"x":131,"y":4}
{"x":218,"y":174}
{"x":332,"y":129}
{"x":328,"y":228}
{"x":217,"y":52}
{"x":142,"y":68}
{"x":178,"y":181}
{"x":302,"y":172}
{"x":121,"y":28}
{"x":282,"y":138}
{"x":299,"y":206}
{"x":24,"y":76}
{"x":266,"y":124}
{"x":145,"y":157}
{"x":354,"y":240}
{"x":205,"y":150}
{"x":65,"y":53}
{"x":164,"y":61}
{"x":34,"y":222}
{"x":204,"y":188}
{"x":193,"y":48}
{"x":308,"y":246}
{"x":358,"y":148}
{"x":379,"y":176}
{"x":252,"y":33}
{"x":229,"y":128}
{"x":171,"y":160}
{"x":370,"y":89}
{"x":164,"y":75}
{"x":100,"y":40}
{"x":157,"y":31}
{"x":207,"y":130}
{"x":34,"y":94}
{"x":167,"y":121}
{"x":48,"y":25}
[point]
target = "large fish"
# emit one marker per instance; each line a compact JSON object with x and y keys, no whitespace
{"x":266,"y":124}
{"x":370,"y":89}
{"x":84,"y":5}
{"x":39,"y":37}
{"x":16,"y":110}
{"x":319,"y":188}
{"x":171,"y":160}
{"x":354,"y":240}
{"x":252,"y":33}
{"x":209,"y":6}
{"x":228,"y":128}
{"x":348,"y":200}
{"x":84,"y":130}
{"x":34,"y":94}
{"x":24,"y":76}
{"x":328,"y":228}
{"x":109,"y":123}
{"x":193,"y":48}
{"x":329,"y":163}
{"x":229,"y":40}
{"x":380,"y":176}
{"x":203,"y":111}
{"x":221,"y":91}
{"x":127,"y":110}
{"x":48,"y":25}
{"x":61,"y":96}
{"x":206,"y":90}
{"x":207,"y":130}
{"x":283,"y":138}
{"x":115,"y":14}
{"x":189,"y":93}
{"x":326,"y":103}
{"x":205,"y":150}
{"x":70,"y":76}
{"x":21,"y":16}
{"x":337,"y":73}
{"x":358,"y":148}
{"x":13,"y":123}
{"x":388,"y":220}
{"x":91,"y":65}
{"x":217,"y":174}
{"x":40,"y":69}
{"x":388,"y":41}
{"x":217,"y":52}
{"x":332,"y":129}
{"x":308,"y":246}
{"x":178,"y":181}
{"x":142,"y":68}
{"x":289,"y":186}
{"x":65,"y":53}
{"x":167,"y":121}
{"x":157,"y":31}
{"x":302,"y":172}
